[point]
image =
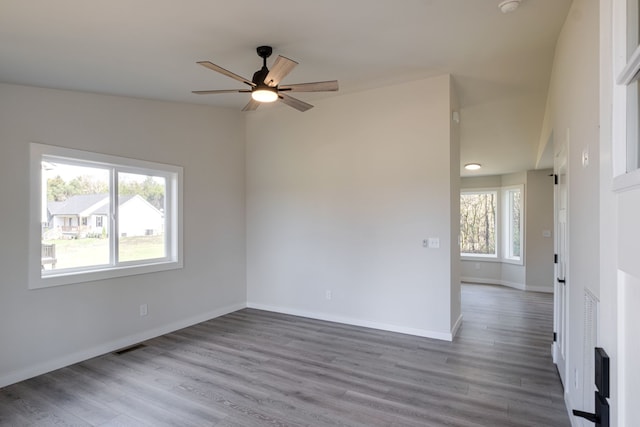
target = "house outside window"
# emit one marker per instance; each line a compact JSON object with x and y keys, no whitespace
{"x":105,"y":216}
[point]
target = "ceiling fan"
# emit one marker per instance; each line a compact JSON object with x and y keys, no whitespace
{"x":265,"y":85}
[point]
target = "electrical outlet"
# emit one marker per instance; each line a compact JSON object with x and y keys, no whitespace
{"x":327,"y":295}
{"x":144,"y":310}
{"x":434,"y":242}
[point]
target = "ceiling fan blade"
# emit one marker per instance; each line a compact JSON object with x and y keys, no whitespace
{"x":280,"y":68}
{"x":294,"y":102}
{"x":227,"y":73}
{"x":311,"y":87}
{"x":251,"y":105}
{"x":212,"y":92}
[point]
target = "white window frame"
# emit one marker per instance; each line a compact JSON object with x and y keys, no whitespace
{"x":39,"y":278}
{"x":486,"y":257}
{"x":625,"y":109}
{"x":502,"y":226}
{"x":507,"y":226}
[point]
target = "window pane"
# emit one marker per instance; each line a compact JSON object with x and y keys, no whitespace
{"x":75,"y":197}
{"x":141,"y":219}
{"x":633,"y":121}
{"x":478,"y":223}
{"x":633,"y":29}
{"x":514,"y":223}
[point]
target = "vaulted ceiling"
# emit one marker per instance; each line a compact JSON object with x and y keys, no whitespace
{"x":501,"y":63}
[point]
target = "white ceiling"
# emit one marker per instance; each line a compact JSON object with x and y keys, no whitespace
{"x":501,"y":63}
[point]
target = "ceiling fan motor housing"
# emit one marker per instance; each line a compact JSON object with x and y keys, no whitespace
{"x":259,"y":76}
{"x":264,"y":51}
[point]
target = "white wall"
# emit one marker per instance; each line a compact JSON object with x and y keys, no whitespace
{"x":573,"y":117}
{"x":608,"y":319}
{"x":340,"y":198}
{"x":43,"y":329}
{"x":538,"y":220}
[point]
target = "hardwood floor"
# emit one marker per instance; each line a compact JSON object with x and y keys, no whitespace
{"x":255,"y":368}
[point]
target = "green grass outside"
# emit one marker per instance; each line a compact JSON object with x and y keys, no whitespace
{"x":73,"y":253}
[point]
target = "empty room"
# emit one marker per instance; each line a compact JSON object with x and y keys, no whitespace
{"x":338,"y":213}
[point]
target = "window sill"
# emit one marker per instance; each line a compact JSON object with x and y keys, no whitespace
{"x":480,"y":258}
{"x":68,"y":278}
{"x":627,"y":181}
{"x":493,"y":259}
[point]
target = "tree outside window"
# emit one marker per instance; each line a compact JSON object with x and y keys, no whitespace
{"x":491,"y":223}
{"x":478,"y":222}
{"x":514,"y":209}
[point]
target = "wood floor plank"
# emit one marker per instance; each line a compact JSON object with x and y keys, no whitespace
{"x":63,"y":395}
{"x":254,"y":368}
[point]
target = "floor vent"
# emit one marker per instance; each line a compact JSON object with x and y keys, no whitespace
{"x":128,"y":349}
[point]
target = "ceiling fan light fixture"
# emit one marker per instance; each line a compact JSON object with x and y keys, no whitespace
{"x":472,"y":166}
{"x":264,"y":95}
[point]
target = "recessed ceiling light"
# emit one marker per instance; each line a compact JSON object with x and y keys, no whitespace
{"x":472,"y":166}
{"x":508,"y":6}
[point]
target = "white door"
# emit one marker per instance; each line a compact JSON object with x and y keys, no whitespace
{"x":628,"y":306}
{"x":560,"y":287}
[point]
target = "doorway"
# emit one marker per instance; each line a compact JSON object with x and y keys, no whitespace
{"x":560,"y":207}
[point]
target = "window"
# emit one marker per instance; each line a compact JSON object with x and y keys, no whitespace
{"x":633,"y":65}
{"x":627,"y":99}
{"x":478,"y":223}
{"x":491,"y":224}
{"x":102,"y":216}
{"x":513,"y":224}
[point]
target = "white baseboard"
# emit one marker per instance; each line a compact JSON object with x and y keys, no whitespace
{"x":575,"y":422}
{"x":456,"y":326}
{"x":445,"y":336}
{"x":481,"y":281}
{"x":70,"y":359}
{"x":543,"y":289}
{"x":515,"y":285}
